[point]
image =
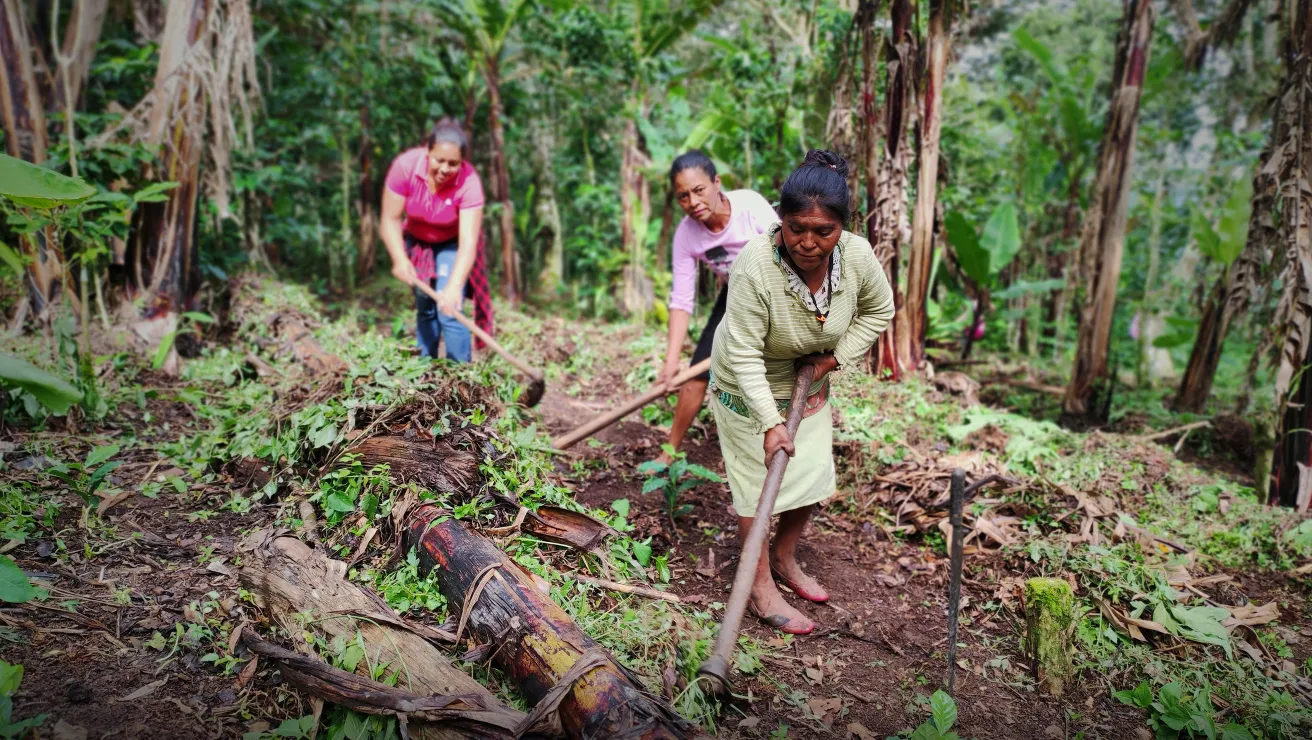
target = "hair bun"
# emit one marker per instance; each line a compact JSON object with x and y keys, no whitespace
{"x":826,"y":158}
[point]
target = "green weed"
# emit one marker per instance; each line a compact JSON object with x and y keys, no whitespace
{"x":1176,"y":710}
{"x":11,"y":677}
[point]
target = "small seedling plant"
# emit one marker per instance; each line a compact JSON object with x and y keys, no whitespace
{"x":674,"y":478}
{"x":86,"y":478}
{"x":942,"y":716}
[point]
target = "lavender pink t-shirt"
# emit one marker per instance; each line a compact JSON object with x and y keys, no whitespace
{"x":432,"y":217}
{"x":750,"y":214}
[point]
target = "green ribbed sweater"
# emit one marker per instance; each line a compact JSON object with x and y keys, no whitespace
{"x":767,"y":326}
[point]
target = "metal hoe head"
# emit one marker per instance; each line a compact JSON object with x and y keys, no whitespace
{"x":716,"y":671}
{"x":533,"y":393}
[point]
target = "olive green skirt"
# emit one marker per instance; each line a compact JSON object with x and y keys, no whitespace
{"x":809,"y":478}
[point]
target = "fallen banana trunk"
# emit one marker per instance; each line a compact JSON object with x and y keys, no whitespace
{"x":458,"y":716}
{"x":557,"y":667}
{"x":291,"y":582}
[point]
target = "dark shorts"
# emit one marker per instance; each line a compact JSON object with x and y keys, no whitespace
{"x":707,"y":338}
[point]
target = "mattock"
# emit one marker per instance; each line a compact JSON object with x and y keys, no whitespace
{"x":716,"y":667}
{"x":590,"y":428}
{"x":537,"y":381}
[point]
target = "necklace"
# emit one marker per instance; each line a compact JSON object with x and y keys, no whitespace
{"x":829,"y":283}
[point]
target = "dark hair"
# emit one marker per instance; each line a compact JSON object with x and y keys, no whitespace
{"x":694,"y":158}
{"x":448,"y":131}
{"x":822,"y":181}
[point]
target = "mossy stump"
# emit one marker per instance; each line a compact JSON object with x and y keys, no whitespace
{"x":1049,"y":626}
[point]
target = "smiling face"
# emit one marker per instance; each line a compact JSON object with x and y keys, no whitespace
{"x":810,"y":236}
{"x":443,"y":162}
{"x":697,"y":194}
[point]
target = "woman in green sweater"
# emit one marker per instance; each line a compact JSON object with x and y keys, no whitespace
{"x":805,"y":292}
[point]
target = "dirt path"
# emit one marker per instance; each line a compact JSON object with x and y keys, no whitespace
{"x":880,"y":642}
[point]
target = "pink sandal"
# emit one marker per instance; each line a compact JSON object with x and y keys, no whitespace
{"x":819,"y":598}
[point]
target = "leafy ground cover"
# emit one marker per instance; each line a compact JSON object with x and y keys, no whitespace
{"x":1192,"y":595}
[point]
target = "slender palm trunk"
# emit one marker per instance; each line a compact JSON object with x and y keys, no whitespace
{"x":1102,"y":241}
{"x":922,"y":224}
{"x":501,"y":173}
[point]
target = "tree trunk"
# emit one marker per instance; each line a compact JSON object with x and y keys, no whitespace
{"x":509,"y":263}
{"x":162,"y":256}
{"x":922,"y":224}
{"x":1196,"y":385}
{"x":1102,"y":241}
{"x":638,"y":294}
{"x":367,"y":258}
{"x":890,"y":191}
{"x":26,"y":138}
{"x":535,"y":642}
{"x":1291,"y":166}
{"x":550,"y":229}
{"x":80,"y":40}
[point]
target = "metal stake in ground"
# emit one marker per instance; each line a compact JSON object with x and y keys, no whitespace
{"x":954,"y":581}
{"x":716,"y":667}
{"x":537,"y":381}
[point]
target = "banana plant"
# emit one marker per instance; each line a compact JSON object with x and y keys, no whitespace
{"x":983,"y":255}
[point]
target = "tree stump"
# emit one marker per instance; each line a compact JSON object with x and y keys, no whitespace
{"x":553,"y":662}
{"x":1049,"y":626}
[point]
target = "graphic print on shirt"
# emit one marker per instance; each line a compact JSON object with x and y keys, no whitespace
{"x":719,"y":259}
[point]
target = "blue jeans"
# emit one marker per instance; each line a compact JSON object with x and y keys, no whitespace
{"x":433,"y":325}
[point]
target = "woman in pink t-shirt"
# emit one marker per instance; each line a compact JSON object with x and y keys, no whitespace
{"x":432,"y":223}
{"x":716,"y":227}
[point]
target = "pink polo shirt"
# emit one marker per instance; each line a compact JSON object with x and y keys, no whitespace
{"x":750,"y":214}
{"x":432,"y":217}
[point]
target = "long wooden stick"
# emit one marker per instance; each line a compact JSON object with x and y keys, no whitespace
{"x":625,"y":588}
{"x":571,"y":438}
{"x":1173,"y":431}
{"x":717,"y":666}
{"x":533,"y":372}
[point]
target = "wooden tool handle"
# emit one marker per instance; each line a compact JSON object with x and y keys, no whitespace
{"x":483,"y":336}
{"x":756,"y":536}
{"x":569,"y":439}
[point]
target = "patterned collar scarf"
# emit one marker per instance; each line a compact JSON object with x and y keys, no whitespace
{"x":813,"y":302}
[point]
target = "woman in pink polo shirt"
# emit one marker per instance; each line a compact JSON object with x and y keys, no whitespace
{"x":716,"y":227}
{"x":432,"y":225}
